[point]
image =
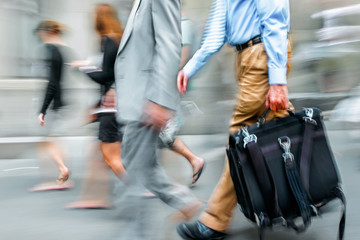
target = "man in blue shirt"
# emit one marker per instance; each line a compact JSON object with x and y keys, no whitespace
{"x":259,"y":31}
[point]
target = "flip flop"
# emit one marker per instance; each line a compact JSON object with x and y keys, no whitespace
{"x":198,"y":173}
{"x":63,"y":179}
{"x":88,"y":206}
{"x":50,"y":187}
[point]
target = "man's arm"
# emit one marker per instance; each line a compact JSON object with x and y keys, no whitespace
{"x":213,"y":39}
{"x":274,"y":22}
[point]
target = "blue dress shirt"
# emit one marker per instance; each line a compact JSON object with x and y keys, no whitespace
{"x":238,"y":21}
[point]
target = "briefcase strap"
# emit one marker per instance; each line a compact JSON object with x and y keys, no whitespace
{"x":305,"y":157}
{"x":295,"y":184}
{"x":305,"y":163}
{"x":339,"y":194}
{"x":300,"y":197}
{"x":266,"y":182}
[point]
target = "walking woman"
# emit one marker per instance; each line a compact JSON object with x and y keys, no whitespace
{"x":96,"y":183}
{"x":49,"y":33}
{"x":110,"y":30}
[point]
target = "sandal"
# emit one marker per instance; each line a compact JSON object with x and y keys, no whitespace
{"x":63,"y":178}
{"x":197,"y":175}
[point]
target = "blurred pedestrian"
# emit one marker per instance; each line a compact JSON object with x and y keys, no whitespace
{"x":259,"y":31}
{"x":168,"y":134}
{"x":96,"y":185}
{"x":56,"y":53}
{"x":187,"y":37}
{"x":168,"y":139}
{"x":145,"y":73}
{"x":110,"y":30}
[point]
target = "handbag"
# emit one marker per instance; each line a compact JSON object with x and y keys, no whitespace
{"x":284,"y":171}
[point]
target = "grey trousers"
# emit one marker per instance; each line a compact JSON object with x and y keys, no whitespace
{"x":139,"y":156}
{"x":139,"y":147}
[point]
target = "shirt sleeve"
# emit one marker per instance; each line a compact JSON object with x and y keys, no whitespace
{"x":53,"y":78}
{"x":214,"y":38}
{"x":274,"y":19}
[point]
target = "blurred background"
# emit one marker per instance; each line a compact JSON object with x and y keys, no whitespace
{"x":325,"y":74}
{"x":325,"y":36}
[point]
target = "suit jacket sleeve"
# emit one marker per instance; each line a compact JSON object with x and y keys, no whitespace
{"x":166,"y":16}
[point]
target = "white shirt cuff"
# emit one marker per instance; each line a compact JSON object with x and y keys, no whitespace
{"x":277,"y":76}
{"x":190,"y":68}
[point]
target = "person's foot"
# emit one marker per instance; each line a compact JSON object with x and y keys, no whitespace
{"x":198,"y":167}
{"x":198,"y":231}
{"x":89,"y":204}
{"x":64,"y":176}
{"x":188,"y":211}
{"x":51,"y":186}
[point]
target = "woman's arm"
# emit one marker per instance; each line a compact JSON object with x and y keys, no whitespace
{"x":53,"y":60}
{"x":107,"y":73}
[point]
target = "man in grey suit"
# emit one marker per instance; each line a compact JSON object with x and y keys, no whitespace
{"x":145,"y":73}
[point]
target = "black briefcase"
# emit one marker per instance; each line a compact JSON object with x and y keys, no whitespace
{"x":284,"y":171}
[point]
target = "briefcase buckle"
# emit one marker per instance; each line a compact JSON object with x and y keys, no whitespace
{"x":309,"y":112}
{"x":285,"y":144}
{"x":248,"y":138}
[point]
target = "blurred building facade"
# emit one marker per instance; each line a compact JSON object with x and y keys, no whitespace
{"x":18,"y":18}
{"x":318,"y":66}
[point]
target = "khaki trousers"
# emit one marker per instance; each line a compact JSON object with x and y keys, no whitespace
{"x":252,"y":76}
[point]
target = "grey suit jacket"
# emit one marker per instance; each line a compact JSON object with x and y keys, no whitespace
{"x":148,"y":58}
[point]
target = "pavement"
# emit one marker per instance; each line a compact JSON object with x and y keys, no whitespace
{"x":41,"y":215}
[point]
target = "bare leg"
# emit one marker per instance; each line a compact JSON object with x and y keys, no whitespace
{"x":196,"y":162}
{"x":96,"y":184}
{"x":53,"y":150}
{"x":112,"y":157}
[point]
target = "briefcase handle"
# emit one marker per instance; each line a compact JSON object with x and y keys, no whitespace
{"x":261,"y":120}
